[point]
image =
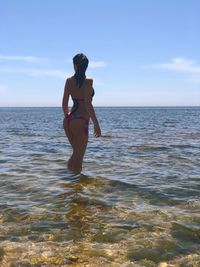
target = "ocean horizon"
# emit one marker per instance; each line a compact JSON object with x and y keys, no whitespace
{"x":145,"y":106}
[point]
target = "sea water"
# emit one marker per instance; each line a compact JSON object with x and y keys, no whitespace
{"x":136,"y":203}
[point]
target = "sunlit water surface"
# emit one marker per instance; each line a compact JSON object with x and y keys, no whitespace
{"x":137,"y":202}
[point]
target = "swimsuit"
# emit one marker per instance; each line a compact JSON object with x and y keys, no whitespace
{"x":73,"y":116}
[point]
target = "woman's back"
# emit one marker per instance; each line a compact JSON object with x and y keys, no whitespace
{"x":78,"y":95}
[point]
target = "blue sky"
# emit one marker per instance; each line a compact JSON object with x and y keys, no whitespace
{"x":141,"y":52}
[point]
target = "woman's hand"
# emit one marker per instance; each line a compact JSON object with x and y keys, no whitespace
{"x":97,"y":130}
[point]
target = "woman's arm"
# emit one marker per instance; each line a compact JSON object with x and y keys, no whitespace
{"x":66,"y":98}
{"x":90,"y":109}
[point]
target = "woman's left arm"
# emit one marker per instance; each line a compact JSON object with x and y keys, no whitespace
{"x":66,"y":98}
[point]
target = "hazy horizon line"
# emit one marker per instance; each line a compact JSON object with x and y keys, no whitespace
{"x":117,"y":106}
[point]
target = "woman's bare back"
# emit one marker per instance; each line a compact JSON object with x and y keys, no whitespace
{"x":78,"y":95}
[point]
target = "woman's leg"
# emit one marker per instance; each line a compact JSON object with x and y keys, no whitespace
{"x":80,"y":140}
{"x":69,"y":135}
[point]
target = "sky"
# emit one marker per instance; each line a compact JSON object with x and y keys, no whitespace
{"x":141,"y":52}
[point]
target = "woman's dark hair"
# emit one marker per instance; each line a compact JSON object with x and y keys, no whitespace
{"x":82,"y":63}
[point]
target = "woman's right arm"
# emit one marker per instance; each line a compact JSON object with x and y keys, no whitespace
{"x":90,"y":108}
{"x":66,"y":98}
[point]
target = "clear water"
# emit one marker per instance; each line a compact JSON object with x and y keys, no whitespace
{"x":137,"y":202}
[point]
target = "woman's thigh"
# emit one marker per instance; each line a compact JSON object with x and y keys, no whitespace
{"x":80,"y":137}
{"x":78,"y":126}
{"x":68,"y":132}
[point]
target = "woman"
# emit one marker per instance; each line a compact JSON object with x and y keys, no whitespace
{"x":76,"y":122}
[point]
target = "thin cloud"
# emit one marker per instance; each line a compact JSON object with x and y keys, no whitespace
{"x":97,"y":64}
{"x":19,"y":58}
{"x":182,"y":65}
{"x":35,"y":72}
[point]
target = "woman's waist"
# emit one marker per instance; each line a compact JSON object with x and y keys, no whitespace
{"x":80,"y":110}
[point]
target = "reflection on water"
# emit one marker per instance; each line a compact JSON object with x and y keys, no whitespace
{"x":137,"y":203}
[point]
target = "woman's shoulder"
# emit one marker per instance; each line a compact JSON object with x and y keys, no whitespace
{"x":89,"y":80}
{"x":71,"y":78}
{"x":70,"y":81}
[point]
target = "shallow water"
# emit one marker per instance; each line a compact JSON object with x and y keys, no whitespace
{"x":136,"y":204}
